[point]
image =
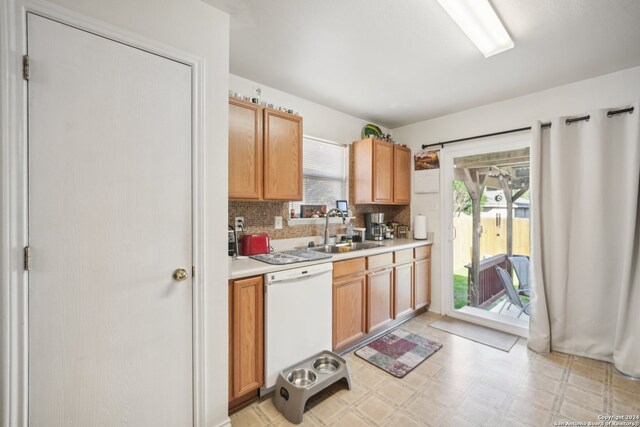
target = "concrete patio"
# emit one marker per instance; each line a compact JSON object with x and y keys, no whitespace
{"x":511,"y":310}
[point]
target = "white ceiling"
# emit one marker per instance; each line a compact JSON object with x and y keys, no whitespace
{"x":396,"y":62}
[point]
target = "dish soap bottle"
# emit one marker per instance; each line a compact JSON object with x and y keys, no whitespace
{"x":349,"y":233}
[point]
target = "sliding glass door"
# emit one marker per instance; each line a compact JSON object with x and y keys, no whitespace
{"x":486,"y":212}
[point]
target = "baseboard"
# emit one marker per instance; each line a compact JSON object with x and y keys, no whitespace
{"x":435,"y":309}
{"x":225,"y":423}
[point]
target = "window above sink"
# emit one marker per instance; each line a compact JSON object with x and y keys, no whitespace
{"x":325,"y":179}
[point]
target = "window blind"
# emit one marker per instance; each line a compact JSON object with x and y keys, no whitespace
{"x":324,"y":178}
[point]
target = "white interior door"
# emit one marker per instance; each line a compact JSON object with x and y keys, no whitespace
{"x":110,"y":219}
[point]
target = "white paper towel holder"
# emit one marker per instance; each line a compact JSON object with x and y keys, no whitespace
{"x":420,"y":227}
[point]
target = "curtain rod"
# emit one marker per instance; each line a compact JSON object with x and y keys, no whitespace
{"x":544,"y":125}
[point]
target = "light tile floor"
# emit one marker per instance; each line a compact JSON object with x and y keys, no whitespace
{"x":466,"y":384}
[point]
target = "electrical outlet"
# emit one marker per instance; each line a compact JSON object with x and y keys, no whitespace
{"x":278,"y":223}
{"x":239,"y":223}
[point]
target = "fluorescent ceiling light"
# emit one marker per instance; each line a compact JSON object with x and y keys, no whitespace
{"x":480,"y":23}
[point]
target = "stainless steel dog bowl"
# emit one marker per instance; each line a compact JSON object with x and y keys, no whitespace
{"x":301,"y":377}
{"x":326,"y":365}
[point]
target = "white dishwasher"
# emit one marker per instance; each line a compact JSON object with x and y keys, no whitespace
{"x":298,"y":317}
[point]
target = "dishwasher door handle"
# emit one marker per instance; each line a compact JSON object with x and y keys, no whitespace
{"x":289,"y":279}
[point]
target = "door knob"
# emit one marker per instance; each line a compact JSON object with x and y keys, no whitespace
{"x":180,"y":274}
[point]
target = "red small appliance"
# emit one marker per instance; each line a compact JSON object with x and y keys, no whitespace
{"x":255,"y":244}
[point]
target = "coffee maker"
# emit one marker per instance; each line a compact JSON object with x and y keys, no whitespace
{"x":374,"y":226}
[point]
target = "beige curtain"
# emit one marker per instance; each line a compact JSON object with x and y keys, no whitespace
{"x":586,"y":238}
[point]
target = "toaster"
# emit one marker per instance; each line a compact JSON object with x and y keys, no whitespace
{"x":254,"y":244}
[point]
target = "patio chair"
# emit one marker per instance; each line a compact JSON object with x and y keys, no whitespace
{"x":512,"y":295}
{"x":521,"y":266}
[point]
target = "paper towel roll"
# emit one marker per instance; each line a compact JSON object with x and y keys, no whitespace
{"x":420,"y":227}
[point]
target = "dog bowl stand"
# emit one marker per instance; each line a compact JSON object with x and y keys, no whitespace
{"x":290,"y":399}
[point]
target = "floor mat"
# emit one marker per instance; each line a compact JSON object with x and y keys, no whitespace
{"x":398,"y":352}
{"x":487,"y":336}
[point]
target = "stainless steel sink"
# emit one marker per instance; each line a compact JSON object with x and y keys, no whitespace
{"x":344,"y":247}
{"x":330,"y":249}
{"x":364,"y":245}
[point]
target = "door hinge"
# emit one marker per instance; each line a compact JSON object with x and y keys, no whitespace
{"x":27,"y":258}
{"x":193,"y":271}
{"x":25,"y":67}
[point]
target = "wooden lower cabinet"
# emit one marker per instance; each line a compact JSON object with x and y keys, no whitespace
{"x":349,"y":311}
{"x":404,"y":289}
{"x":422,"y":277}
{"x":246,"y":342}
{"x":379,"y":299}
{"x":371,"y":294}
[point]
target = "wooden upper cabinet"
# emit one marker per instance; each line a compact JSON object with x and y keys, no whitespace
{"x":381,"y":172}
{"x":401,"y":175}
{"x":265,"y":153}
{"x":363,"y":171}
{"x":282,"y":156}
{"x":245,"y":150}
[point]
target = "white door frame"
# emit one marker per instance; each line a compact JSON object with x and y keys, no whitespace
{"x":447,"y":154}
{"x":14,"y":316}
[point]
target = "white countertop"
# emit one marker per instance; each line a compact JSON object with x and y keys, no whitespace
{"x":249,"y":267}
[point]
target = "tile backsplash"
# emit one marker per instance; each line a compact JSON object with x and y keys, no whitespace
{"x":259,"y":218}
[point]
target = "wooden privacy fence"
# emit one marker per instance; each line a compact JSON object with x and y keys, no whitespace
{"x":493,"y":240}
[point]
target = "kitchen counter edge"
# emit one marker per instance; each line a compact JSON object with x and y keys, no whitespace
{"x":239,"y":268}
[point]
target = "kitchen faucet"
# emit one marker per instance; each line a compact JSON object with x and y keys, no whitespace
{"x":326,"y":226}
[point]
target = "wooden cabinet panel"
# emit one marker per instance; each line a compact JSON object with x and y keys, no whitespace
{"x":282,"y":156}
{"x":349,"y":311}
{"x":362,"y":171}
{"x":245,"y":150}
{"x":422,"y":283}
{"x":401,"y":175}
{"x":379,"y":299}
{"x":247,"y":336}
{"x":382,"y":171}
{"x":378,"y":261}
{"x":423,"y":252}
{"x":404,"y":289}
{"x":348,"y":267}
{"x":403,"y":256}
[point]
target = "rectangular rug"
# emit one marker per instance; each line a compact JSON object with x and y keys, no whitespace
{"x":487,"y":336}
{"x":398,"y":352}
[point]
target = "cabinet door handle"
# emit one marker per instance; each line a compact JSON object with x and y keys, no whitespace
{"x":375,"y":273}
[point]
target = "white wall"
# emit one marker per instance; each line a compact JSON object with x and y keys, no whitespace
{"x":201,"y":30}
{"x":318,"y":121}
{"x":609,"y":91}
